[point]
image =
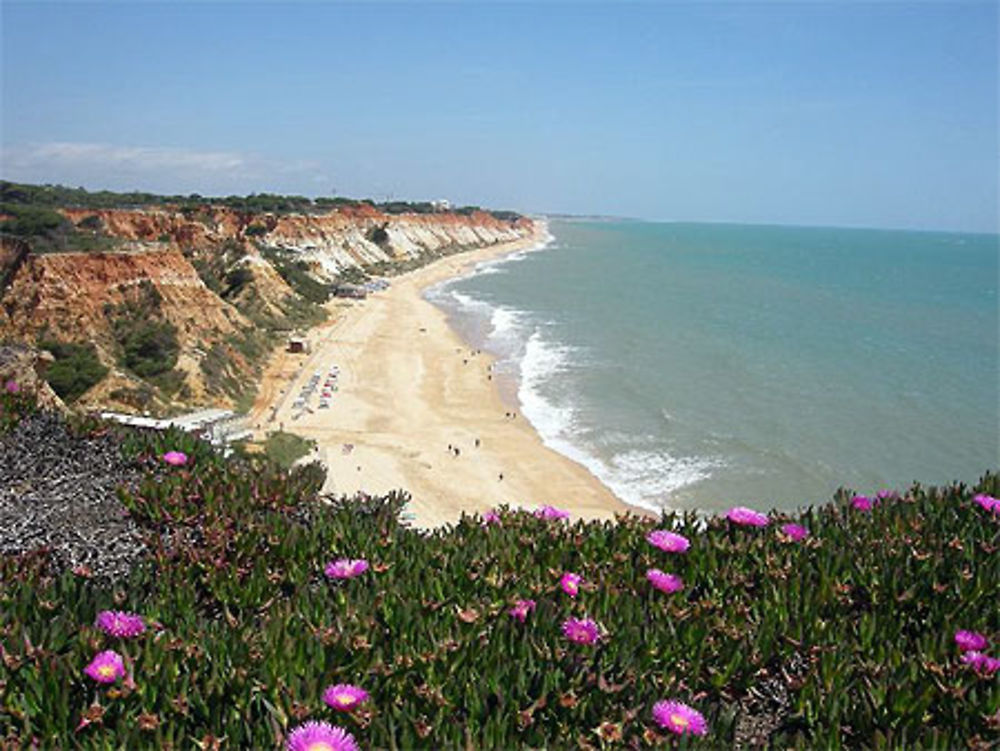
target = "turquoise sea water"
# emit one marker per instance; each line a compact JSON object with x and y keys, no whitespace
{"x":699,"y":366}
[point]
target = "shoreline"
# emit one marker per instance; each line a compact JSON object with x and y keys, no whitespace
{"x":410,"y":394}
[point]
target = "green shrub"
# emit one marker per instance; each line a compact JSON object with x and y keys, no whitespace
{"x":236,"y":280}
{"x":149,"y":348}
{"x":379,"y":236}
{"x":75,"y":370}
{"x":92,"y":223}
{"x":296,"y":275}
{"x":148,"y":343}
{"x":32,"y":221}
{"x":287,"y":448}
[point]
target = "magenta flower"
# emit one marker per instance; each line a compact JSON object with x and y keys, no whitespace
{"x":106,"y":667}
{"x":118,"y":623}
{"x":668,"y":583}
{"x":795,"y":531}
{"x":679,"y":718}
{"x":570,"y":584}
{"x":344,"y":696}
{"x":970,"y":641}
{"x":491,"y":517}
{"x":746,"y":517}
{"x":346,"y":568}
{"x":521,"y":609}
{"x":551,"y":513}
{"x":671,"y":542}
{"x":988,"y":502}
{"x":862,"y":503}
{"x":12,"y":387}
{"x":884,"y":495}
{"x":581,"y":631}
{"x":175,"y":458}
{"x":982,"y":664}
{"x":320,"y":736}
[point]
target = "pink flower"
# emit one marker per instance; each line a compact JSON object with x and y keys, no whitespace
{"x":551,"y":513}
{"x":679,"y":718}
{"x":795,"y":532}
{"x":106,"y":667}
{"x":982,"y":664}
{"x":491,"y":517}
{"x":970,"y":641}
{"x":862,"y":503}
{"x":346,"y":568}
{"x":583,"y":631}
{"x":521,"y":609}
{"x":671,"y":542}
{"x":988,"y":502}
{"x":668,"y":583}
{"x":884,"y":495}
{"x":344,"y":696}
{"x":118,"y":623}
{"x":175,"y":458}
{"x":746,"y":517}
{"x":12,"y":387}
{"x":570,"y":584}
{"x":320,"y":736}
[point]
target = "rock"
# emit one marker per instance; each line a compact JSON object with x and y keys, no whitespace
{"x":26,"y":367}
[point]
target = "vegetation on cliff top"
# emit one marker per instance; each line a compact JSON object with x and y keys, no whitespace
{"x":48,"y":231}
{"x":847,"y":632}
{"x":58,"y":196}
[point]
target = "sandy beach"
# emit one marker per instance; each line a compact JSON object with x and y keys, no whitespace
{"x":408,"y":389}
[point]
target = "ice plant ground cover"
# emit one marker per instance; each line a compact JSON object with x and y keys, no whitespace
{"x":846,"y":637}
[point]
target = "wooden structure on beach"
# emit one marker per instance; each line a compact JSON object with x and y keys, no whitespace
{"x":298,"y":344}
{"x":351,"y":290}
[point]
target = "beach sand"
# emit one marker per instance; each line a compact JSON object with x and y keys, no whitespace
{"x":408,"y":388}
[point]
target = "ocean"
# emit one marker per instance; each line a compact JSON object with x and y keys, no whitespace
{"x":701,"y":366}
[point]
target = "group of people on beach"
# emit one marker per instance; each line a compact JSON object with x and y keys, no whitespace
{"x":456,"y":452}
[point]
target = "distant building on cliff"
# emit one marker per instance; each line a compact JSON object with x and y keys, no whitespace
{"x":441,"y":204}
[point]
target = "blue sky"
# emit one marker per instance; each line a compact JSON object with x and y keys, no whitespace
{"x":848,"y":114}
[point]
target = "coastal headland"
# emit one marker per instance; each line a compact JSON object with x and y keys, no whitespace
{"x":416,"y":409}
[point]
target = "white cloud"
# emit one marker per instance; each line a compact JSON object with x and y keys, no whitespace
{"x":157,"y":168}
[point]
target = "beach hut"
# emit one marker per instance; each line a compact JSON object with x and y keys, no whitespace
{"x":351,"y":290}
{"x":298,"y":344}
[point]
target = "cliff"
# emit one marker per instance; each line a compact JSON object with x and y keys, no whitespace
{"x":181,"y":304}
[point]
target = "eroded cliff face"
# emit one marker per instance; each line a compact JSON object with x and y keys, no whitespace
{"x":66,"y":295}
{"x":210,"y":274}
{"x":332,"y":241}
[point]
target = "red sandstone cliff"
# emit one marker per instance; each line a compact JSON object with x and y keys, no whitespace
{"x":171,"y":254}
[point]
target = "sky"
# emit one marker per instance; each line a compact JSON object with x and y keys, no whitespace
{"x":809,"y":113}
